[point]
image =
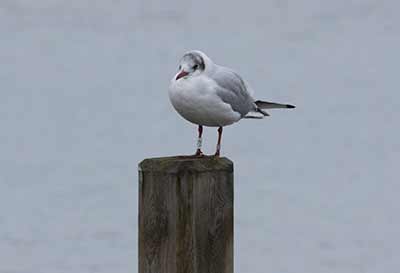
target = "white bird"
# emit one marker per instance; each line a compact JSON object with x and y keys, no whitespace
{"x":208,"y":94}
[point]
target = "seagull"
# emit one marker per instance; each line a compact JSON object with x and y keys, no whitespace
{"x":207,"y":94}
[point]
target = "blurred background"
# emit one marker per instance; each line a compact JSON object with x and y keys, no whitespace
{"x":83,"y":99}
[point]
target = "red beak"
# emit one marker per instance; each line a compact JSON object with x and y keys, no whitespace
{"x":183,"y":73}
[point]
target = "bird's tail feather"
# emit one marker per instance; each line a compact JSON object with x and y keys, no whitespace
{"x":253,"y":117}
{"x":257,"y":114}
{"x":270,"y":105}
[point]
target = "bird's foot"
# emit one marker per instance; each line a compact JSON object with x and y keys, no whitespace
{"x":199,"y":153}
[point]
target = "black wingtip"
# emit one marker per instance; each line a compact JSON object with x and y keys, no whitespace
{"x":290,"y":106}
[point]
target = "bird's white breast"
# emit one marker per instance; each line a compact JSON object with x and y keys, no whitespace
{"x":195,"y":99}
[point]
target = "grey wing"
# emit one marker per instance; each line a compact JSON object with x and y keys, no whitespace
{"x":233,"y":90}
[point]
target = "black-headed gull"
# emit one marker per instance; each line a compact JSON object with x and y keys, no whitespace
{"x":208,"y":94}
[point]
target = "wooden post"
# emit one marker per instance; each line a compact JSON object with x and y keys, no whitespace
{"x":186,"y":215}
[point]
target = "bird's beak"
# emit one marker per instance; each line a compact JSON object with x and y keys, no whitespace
{"x":181,"y":74}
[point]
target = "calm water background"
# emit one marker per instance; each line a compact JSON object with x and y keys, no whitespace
{"x":83,"y":99}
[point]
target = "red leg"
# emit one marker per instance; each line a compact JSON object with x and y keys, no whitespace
{"x":199,"y":140}
{"x":217,"y":152}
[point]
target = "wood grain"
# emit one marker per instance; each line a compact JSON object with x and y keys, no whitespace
{"x":186,"y":215}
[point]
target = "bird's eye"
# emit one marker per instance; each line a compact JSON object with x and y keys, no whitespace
{"x":195,"y":66}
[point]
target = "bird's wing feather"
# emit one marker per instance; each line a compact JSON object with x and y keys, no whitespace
{"x":270,"y":105}
{"x":233,"y":90}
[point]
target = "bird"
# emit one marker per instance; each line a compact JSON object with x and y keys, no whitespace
{"x":211,"y":95}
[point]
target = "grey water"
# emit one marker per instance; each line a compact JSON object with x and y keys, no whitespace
{"x":83,"y":99}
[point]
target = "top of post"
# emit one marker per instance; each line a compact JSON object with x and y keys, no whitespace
{"x":177,"y":164}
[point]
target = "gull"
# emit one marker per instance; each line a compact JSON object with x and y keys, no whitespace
{"x":211,"y":95}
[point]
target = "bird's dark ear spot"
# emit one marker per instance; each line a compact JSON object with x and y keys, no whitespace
{"x":201,"y":63}
{"x":196,"y":58}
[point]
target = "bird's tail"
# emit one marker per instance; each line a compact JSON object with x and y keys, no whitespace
{"x":259,"y":113}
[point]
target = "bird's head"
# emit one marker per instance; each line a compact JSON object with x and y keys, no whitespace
{"x":192,"y":63}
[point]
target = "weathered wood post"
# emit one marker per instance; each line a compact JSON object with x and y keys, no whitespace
{"x":186,"y":215}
